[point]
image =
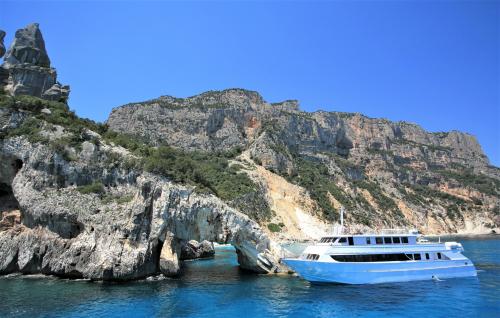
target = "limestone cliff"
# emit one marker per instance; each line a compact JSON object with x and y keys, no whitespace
{"x":385,"y":173}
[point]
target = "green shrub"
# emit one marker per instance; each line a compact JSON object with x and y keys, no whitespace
{"x":477,"y":181}
{"x":60,"y":115}
{"x":384,"y":202}
{"x":118,"y":199}
{"x":124,"y":199}
{"x":314,"y":176}
{"x":95,"y":187}
{"x":496,"y":210}
{"x":31,"y":129}
{"x":432,"y":193}
{"x":210,"y":173}
{"x":133,"y":143}
{"x":453,"y":211}
{"x":273,"y":227}
{"x":59,"y":146}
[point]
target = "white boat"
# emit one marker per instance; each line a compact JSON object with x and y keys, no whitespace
{"x":389,"y":256}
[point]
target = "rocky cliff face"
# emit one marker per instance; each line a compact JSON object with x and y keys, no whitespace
{"x":212,"y":121}
{"x":386,"y":173}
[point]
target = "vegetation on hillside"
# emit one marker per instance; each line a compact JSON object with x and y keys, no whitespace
{"x":313,"y":176}
{"x":476,"y":181}
{"x":208,"y":172}
{"x":213,"y":173}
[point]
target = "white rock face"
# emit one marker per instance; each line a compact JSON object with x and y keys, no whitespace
{"x":131,"y":231}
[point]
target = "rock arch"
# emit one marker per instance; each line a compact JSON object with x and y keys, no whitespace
{"x":125,"y":241}
{"x":180,"y":215}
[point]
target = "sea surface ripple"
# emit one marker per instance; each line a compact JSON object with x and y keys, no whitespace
{"x":218,"y":288}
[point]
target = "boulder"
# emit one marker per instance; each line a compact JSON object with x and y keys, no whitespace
{"x":193,"y":250}
{"x":169,"y":260}
{"x":57,"y":92}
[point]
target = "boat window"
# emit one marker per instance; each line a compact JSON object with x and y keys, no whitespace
{"x":396,"y":240}
{"x":372,"y":258}
{"x":439,"y":255}
{"x":427,"y":256}
{"x":409,"y":256}
{"x":378,"y":240}
{"x":342,"y":240}
{"x":404,"y":240}
{"x":351,"y":240}
{"x":368,"y":241}
{"x":327,"y":239}
{"x":312,"y":256}
{"x":417,"y":257}
{"x":387,"y":240}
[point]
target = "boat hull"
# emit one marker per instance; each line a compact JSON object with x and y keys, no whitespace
{"x":379,"y":272}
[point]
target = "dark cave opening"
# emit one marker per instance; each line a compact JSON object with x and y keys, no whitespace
{"x":10,"y":213}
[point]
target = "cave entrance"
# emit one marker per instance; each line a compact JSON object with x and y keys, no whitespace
{"x":10,"y":212}
{"x":223,"y":266}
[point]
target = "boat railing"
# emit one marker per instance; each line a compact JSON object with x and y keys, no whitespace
{"x":393,"y":231}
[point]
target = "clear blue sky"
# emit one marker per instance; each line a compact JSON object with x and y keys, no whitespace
{"x":435,"y":63}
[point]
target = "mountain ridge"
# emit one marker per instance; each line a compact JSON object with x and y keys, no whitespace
{"x":279,"y":137}
{"x":295,"y":107}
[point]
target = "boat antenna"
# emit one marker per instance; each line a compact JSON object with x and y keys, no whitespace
{"x":341,"y":219}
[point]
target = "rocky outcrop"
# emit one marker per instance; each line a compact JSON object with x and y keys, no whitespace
{"x":28,"y":47}
{"x":2,"y":46}
{"x":26,"y":69}
{"x":194,"y":249}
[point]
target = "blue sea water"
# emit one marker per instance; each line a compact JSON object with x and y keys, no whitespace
{"x":218,"y":288}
